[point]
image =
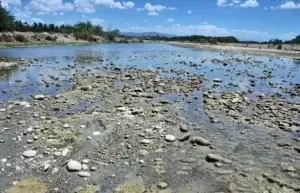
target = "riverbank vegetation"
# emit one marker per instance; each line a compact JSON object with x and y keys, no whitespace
{"x":81,"y":30}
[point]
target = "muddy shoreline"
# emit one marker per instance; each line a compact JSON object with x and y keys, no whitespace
{"x":122,"y":128}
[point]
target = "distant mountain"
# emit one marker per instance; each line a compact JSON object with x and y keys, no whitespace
{"x":146,"y":34}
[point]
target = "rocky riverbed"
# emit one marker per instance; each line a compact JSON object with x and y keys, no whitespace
{"x":186,"y":123}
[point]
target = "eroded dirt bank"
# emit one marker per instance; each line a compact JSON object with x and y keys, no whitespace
{"x":27,"y":39}
{"x":134,"y":130}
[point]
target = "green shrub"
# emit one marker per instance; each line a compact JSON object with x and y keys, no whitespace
{"x":21,"y":38}
{"x":50,"y":38}
{"x":111,"y":38}
{"x":279,"y":47}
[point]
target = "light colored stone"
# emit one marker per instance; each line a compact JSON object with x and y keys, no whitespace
{"x":162,"y":185}
{"x":39,"y":97}
{"x":121,"y":109}
{"x":85,"y":161}
{"x":65,"y":152}
{"x":57,"y":153}
{"x":200,"y":141}
{"x":143,"y":152}
{"x":66,"y":125}
{"x":46,"y":165}
{"x":146,"y":141}
{"x":85,"y":167}
{"x":96,"y":133}
{"x":217,"y":158}
{"x":93,"y":168}
{"x":29,"y":129}
{"x":170,"y":138}
{"x":29,"y":153}
{"x":74,"y":166}
{"x":4,"y":160}
{"x":84,"y":174}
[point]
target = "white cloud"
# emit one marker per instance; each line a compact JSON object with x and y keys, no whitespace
{"x":172,"y":8}
{"x":97,"y":21}
{"x":152,"y":13}
{"x":21,"y":14}
{"x":289,"y":5}
{"x":221,"y":3}
{"x":154,"y":9}
{"x":7,"y":3}
{"x":89,"y":6}
{"x":170,"y":20}
{"x":289,"y":35}
{"x":236,"y":1}
{"x":229,"y":3}
{"x":189,"y":11}
{"x":128,"y":4}
{"x":226,"y":3}
{"x":250,"y":3}
{"x":204,"y":29}
{"x":42,"y":7}
{"x":37,"y":20}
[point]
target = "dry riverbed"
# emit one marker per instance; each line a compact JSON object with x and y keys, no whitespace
{"x":156,"y":130}
{"x":258,"y":49}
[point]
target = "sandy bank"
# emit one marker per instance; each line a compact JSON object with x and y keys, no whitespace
{"x":288,"y":50}
{"x":7,"y":64}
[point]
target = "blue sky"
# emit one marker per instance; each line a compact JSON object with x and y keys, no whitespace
{"x":245,"y":19}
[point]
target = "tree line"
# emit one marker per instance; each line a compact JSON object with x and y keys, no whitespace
{"x":81,"y":30}
{"x":197,"y":39}
{"x":225,"y":39}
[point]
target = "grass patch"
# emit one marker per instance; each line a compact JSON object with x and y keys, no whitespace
{"x":89,"y":189}
{"x":30,"y":185}
{"x":67,"y":137}
{"x":129,"y":188}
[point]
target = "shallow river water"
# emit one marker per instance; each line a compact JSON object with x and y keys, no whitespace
{"x":48,"y":63}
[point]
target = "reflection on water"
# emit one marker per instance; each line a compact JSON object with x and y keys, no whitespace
{"x":51,"y":68}
{"x":7,"y":73}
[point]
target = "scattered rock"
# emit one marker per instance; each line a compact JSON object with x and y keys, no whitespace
{"x":143,"y":152}
{"x":96,"y":133}
{"x":39,"y":97}
{"x":200,"y":141}
{"x":184,"y":137}
{"x":170,"y":138}
{"x":29,"y":153}
{"x":146,"y":141}
{"x":217,"y":158}
{"x":162,"y":185}
{"x":74,"y":166}
{"x":84,"y":174}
